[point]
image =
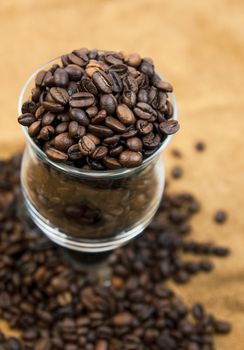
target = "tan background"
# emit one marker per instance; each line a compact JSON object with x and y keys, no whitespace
{"x":199,"y":47}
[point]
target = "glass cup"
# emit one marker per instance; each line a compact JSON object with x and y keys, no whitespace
{"x":89,"y":211}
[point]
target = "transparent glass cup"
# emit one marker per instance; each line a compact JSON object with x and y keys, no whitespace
{"x":89,"y":211}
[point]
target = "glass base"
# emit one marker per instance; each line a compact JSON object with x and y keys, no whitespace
{"x":86,"y":245}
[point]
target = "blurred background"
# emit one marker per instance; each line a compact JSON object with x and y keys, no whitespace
{"x":199,"y":47}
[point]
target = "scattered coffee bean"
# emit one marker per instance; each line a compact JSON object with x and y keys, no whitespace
{"x":177,"y":172}
{"x":220,"y":216}
{"x":200,"y":146}
{"x":106,"y":93}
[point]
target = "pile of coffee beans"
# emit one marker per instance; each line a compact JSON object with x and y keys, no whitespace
{"x":57,"y":307}
{"x":99,"y":110}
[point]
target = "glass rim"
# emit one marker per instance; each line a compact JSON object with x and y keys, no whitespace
{"x":83,"y":172}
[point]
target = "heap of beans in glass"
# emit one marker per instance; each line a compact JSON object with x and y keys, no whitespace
{"x":99,"y":110}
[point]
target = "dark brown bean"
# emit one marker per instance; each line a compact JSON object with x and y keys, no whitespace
{"x":63,"y":141}
{"x":75,"y":72}
{"x":39,"y":80}
{"x":34,"y":128}
{"x":48,"y":118}
{"x":100,"y":117}
{"x":53,"y":107}
{"x":115,"y":125}
{"x":26,"y":119}
{"x":100,"y":130}
{"x":88,"y":86}
{"x":112,"y":140}
{"x":81,"y":99}
{"x":143,"y":110}
{"x":46,"y":132}
{"x":144,"y":127}
{"x":169,"y":127}
{"x":100,"y":152}
{"x":160,"y":84}
{"x":130,"y":159}
{"x":86,"y":145}
{"x":125,"y":115}
{"x":61,"y":78}
{"x":151,"y":141}
{"x":134,"y":144}
{"x":74,"y":152}
{"x":92,"y":111}
{"x":115,"y":152}
{"x":56,"y":155}
{"x":108,"y":102}
{"x":60,"y":95}
{"x":111,"y":163}
{"x":102,"y":81}
{"x":79,"y":116}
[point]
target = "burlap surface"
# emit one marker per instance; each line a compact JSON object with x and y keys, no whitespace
{"x":199,"y":47}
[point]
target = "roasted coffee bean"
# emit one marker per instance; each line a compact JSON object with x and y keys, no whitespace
{"x":122,"y":319}
{"x":76,"y":130}
{"x":144,"y":127}
{"x":100,"y":152}
{"x":147,"y":67}
{"x":177,"y":172}
{"x":87,"y":146}
{"x":60,"y":95}
{"x":56,"y":155}
{"x":26,"y":119}
{"x":111,"y":163}
{"x":61,"y":78}
{"x":72,"y":88}
{"x":92,"y":111}
{"x":200,"y":146}
{"x":100,"y":130}
{"x":112,"y":140}
{"x":142,"y":96}
{"x":74,"y":152}
{"x":49,"y":79}
{"x":74,"y":72}
{"x":143,"y":110}
{"x":130,"y":84}
{"x":169,"y":110}
{"x":113,"y":58}
{"x":125,"y":115}
{"x":102,"y":345}
{"x":39,"y":112}
{"x":88,"y":86}
{"x":220,"y":216}
{"x":160,"y":84}
{"x":63,"y":141}
{"x":116,"y":80}
{"x":53,"y":107}
{"x":151,"y":141}
{"x":79,"y":116}
{"x":34,"y":128}
{"x":222,"y":327}
{"x":62,"y":127}
{"x":115,"y":125}
{"x":78,"y":58}
{"x":94,"y":66}
{"x":39,"y":80}
{"x":115,"y":152}
{"x":102,"y":81}
{"x":81,"y":99}
{"x":29,"y":107}
{"x":47,"y":133}
{"x":94,"y":138}
{"x":35,"y":94}
{"x":120,"y":69}
{"x":108,"y":102}
{"x":130,"y":159}
{"x":134,"y":60}
{"x":48,"y":118}
{"x":169,"y":127}
{"x":100,"y":117}
{"x":130,"y":133}
{"x":129,"y":98}
{"x":94,"y":164}
{"x":134,"y":144}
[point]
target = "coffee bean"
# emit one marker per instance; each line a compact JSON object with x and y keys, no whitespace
{"x":81,"y":99}
{"x":26,"y":119}
{"x":79,"y":116}
{"x":200,"y":146}
{"x":144,"y":127}
{"x":61,"y":78}
{"x":43,"y":344}
{"x":87,"y":146}
{"x":160,"y":84}
{"x":100,"y":117}
{"x":100,"y":130}
{"x":151,"y":141}
{"x":72,"y":88}
{"x":122,"y":319}
{"x":115,"y":152}
{"x":102,"y":81}
{"x":111,"y":163}
{"x":112,"y":140}
{"x":113,"y":58}
{"x":147,"y":67}
{"x":56,"y":155}
{"x":108,"y":102}
{"x":129,"y":98}
{"x":62,"y":127}
{"x":88,"y":86}
{"x":100,"y":152}
{"x":130,"y":133}
{"x":169,"y":127}
{"x":35,"y":94}
{"x":60,"y":95}
{"x":143,"y":110}
{"x":134,"y":144}
{"x":125,"y":115}
{"x":115,"y":124}
{"x":130,"y":159}
{"x":142,"y":96}
{"x":94,"y":138}
{"x":222,"y":327}
{"x":46,"y":133}
{"x":116,"y":80}
{"x":76,"y":130}
{"x":48,"y":118}
{"x":63,"y":141}
{"x":101,"y":345}
{"x":39,"y":80}
{"x":74,"y":72}
{"x":74,"y":152}
{"x":134,"y":60}
{"x":34,"y":128}
{"x":92,"y":111}
{"x":130,"y":84}
{"x":53,"y":107}
{"x":120,"y":69}
{"x":94,"y":66}
{"x":177,"y":172}
{"x":78,"y":58}
{"x":13,"y":344}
